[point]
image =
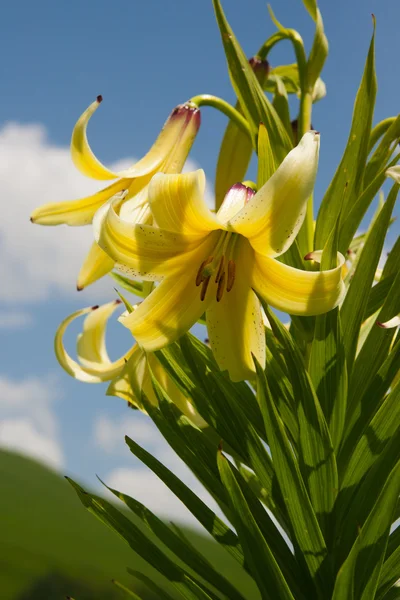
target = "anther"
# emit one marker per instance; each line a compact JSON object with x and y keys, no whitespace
{"x":221,"y":287}
{"x":204,"y":288}
{"x":220,"y":269}
{"x":200,"y":273}
{"x":231,"y":275}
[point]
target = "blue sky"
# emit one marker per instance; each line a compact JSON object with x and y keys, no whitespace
{"x":144,"y":58}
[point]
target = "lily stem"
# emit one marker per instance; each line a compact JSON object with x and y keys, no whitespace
{"x":224,"y":107}
{"x":306,"y":233}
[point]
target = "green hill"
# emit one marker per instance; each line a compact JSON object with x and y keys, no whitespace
{"x":51,"y":547}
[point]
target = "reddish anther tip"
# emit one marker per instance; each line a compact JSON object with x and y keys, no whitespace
{"x":99,"y":98}
{"x":308,"y":256}
{"x":79,"y":288}
{"x":95,"y":307}
{"x":118,"y":301}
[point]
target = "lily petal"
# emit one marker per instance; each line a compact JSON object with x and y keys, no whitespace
{"x":177,"y":203}
{"x":298,"y":292}
{"x":273,"y":217}
{"x":97,"y":264}
{"x":394,"y":173}
{"x":394,"y":322}
{"x":236,"y":198}
{"x":133,"y":379}
{"x":142,"y":250}
{"x":170,"y":310}
{"x":89,"y":165}
{"x":76,"y":212}
{"x":94,"y":365}
{"x":235,"y":324}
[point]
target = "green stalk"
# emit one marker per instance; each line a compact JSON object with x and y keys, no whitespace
{"x":224,"y":107}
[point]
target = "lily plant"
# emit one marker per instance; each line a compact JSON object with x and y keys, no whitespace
{"x":292,"y":429}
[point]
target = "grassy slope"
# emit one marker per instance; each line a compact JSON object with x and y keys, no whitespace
{"x":50,"y":542}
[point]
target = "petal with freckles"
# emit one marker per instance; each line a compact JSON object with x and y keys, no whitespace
{"x":94,"y":366}
{"x":235,"y":324}
{"x":170,"y":310}
{"x":144,"y":251}
{"x":89,"y":165}
{"x":177,"y":203}
{"x":273,"y":217}
{"x":76,"y":212}
{"x":297,"y":292}
{"x":97,"y":264}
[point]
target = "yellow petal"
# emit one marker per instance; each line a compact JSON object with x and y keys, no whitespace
{"x":298,"y":292}
{"x":82,"y":155}
{"x":89,"y":165}
{"x":235,"y":324}
{"x":97,"y":264}
{"x":139,"y":250}
{"x":177,"y":203}
{"x":76,"y":212}
{"x":182,"y":402}
{"x":170,"y":310}
{"x":236,"y":198}
{"x":273,"y":217}
{"x":133,"y":379}
{"x":94,"y":365}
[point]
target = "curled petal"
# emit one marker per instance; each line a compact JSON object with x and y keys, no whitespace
{"x":93,"y":364}
{"x":298,"y":292}
{"x":395,"y":322}
{"x":235,"y":324}
{"x":140,"y":250}
{"x":177,"y":203}
{"x":273,"y":217}
{"x":89,"y":165}
{"x":76,"y":212}
{"x":170,"y":310}
{"x":394,"y":173}
{"x":97,"y":264}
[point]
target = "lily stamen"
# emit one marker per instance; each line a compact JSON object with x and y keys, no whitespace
{"x":204,"y":288}
{"x":220,"y":271}
{"x":221,"y":287}
{"x":200,"y":273}
{"x":231,"y":275}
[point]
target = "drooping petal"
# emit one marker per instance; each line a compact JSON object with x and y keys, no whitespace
{"x":177,"y":203}
{"x":94,"y":366}
{"x":273,"y":217}
{"x":297,"y":292}
{"x":170,"y":310}
{"x":76,"y":212}
{"x":132,"y":380}
{"x":89,"y":165}
{"x":394,"y":322}
{"x":97,"y":264}
{"x":393,"y":173}
{"x":235,"y":324}
{"x":140,"y":250}
{"x":181,"y":401}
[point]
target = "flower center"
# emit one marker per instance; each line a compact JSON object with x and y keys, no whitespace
{"x":220,"y":264}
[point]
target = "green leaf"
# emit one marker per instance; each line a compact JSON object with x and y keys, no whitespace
{"x":160,"y":592}
{"x":390,"y":573}
{"x":210,"y":521}
{"x":327,"y":363}
{"x":355,"y":303}
{"x":319,"y":50}
{"x":134,"y":287}
{"x":266,"y":161}
{"x":142,"y":545}
{"x":316,"y":457}
{"x":183,"y":551}
{"x":371,"y":444}
{"x":383,"y":152}
{"x":350,"y":172}
{"x":233,"y":159}
{"x":359,"y":576}
{"x":379,"y":130}
{"x":303,"y":520}
{"x":281,"y":104}
{"x":256,"y":106}
{"x":259,"y":557}
{"x":127,"y":591}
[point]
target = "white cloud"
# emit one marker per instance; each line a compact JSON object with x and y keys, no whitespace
{"x":27,"y":420}
{"x":10,"y":319}
{"x":22,"y":436}
{"x":37,"y":261}
{"x":109,"y":433}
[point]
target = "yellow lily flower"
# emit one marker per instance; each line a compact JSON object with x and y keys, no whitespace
{"x":129,"y":375}
{"x":213,"y":262}
{"x":167,"y":155}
